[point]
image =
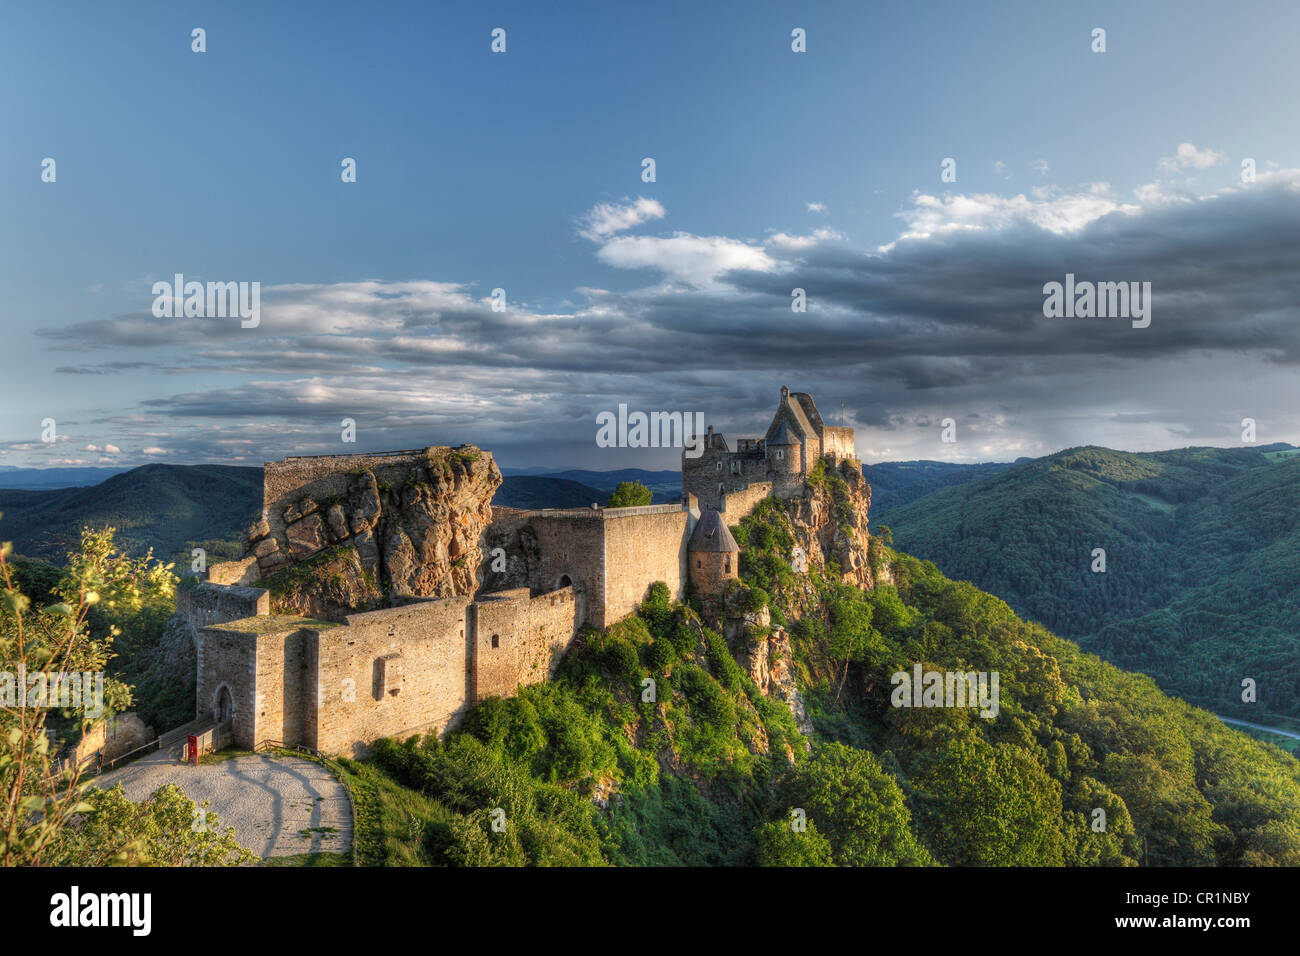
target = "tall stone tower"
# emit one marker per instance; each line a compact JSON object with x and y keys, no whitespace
{"x":713,"y":555}
{"x":785,"y":462}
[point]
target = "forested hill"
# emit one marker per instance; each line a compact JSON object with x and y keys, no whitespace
{"x":176,"y":508}
{"x":170,"y":508}
{"x":1201,"y":587}
{"x":1082,"y":765}
{"x":895,"y":483}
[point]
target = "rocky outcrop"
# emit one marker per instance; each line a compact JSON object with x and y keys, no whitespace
{"x":830,"y":522}
{"x":764,"y":651}
{"x":770,"y":658}
{"x":328,"y":587}
{"x":409,"y":525}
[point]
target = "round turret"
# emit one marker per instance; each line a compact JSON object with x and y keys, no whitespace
{"x":713,"y":555}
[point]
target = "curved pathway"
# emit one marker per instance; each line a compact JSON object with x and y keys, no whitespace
{"x":278,"y":805}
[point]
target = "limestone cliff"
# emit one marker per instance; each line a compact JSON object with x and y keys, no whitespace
{"x":407,"y":526}
{"x":830,"y":521}
{"x":764,"y":651}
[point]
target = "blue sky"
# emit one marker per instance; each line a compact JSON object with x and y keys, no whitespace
{"x":774,"y":169}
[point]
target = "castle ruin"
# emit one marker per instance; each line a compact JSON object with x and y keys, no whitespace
{"x":383,"y":595}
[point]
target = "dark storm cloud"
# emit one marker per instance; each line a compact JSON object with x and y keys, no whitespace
{"x":948,"y":320}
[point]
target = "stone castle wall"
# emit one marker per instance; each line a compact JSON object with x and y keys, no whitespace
{"x":282,"y":685}
{"x":110,"y":738}
{"x":242,"y":572}
{"x":738,"y":504}
{"x":569,"y":545}
{"x":520,"y":640}
{"x":393,"y":672}
{"x":413,"y":669}
{"x":838,"y":442}
{"x":228,"y":658}
{"x":642,"y":546}
{"x":208,"y":603}
{"x":610,"y":555}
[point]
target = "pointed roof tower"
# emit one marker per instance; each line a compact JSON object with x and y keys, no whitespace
{"x":712,"y":534}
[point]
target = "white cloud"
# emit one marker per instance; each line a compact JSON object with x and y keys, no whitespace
{"x":1189,"y":157}
{"x":112,"y":450}
{"x":1000,"y":168}
{"x":782,"y":242}
{"x":816,"y":207}
{"x":1050,"y":209}
{"x":606,"y":219}
{"x":1040,"y":166}
{"x":694,"y":260}
{"x":153,"y":450}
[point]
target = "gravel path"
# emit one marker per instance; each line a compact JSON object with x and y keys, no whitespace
{"x":279,"y":806}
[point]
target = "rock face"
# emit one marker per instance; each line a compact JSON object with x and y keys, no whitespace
{"x":830,"y":523}
{"x":342,"y":536}
{"x":769,"y":667}
{"x":764,"y":651}
{"x":327,"y":588}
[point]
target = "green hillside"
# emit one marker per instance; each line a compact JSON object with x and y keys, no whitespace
{"x":175,"y":508}
{"x":1202,"y":580}
{"x":895,"y":483}
{"x":713,"y":771}
{"x":542,"y":491}
{"x":170,"y":508}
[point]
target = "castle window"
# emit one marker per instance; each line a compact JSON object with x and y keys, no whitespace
{"x":697,"y":563}
{"x":496,"y":640}
{"x":719,"y":466}
{"x":389,"y":676}
{"x":780,"y":454}
{"x":735,"y":467}
{"x":728,"y":568}
{"x":721,"y":488}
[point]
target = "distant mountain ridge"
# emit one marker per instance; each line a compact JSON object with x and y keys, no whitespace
{"x":895,"y":483}
{"x":666,"y":485}
{"x":39,"y":479}
{"x":176,"y":508}
{"x":171,"y":508}
{"x":1201,"y":587}
{"x":544,"y":491}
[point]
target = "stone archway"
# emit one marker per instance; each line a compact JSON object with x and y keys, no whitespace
{"x":223,"y":706}
{"x":563,"y":581}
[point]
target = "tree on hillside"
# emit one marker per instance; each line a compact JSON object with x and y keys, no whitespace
{"x":43,"y":642}
{"x":856,"y":806}
{"x":629,"y":494}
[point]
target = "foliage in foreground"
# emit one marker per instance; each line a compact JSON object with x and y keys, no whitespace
{"x":45,"y":639}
